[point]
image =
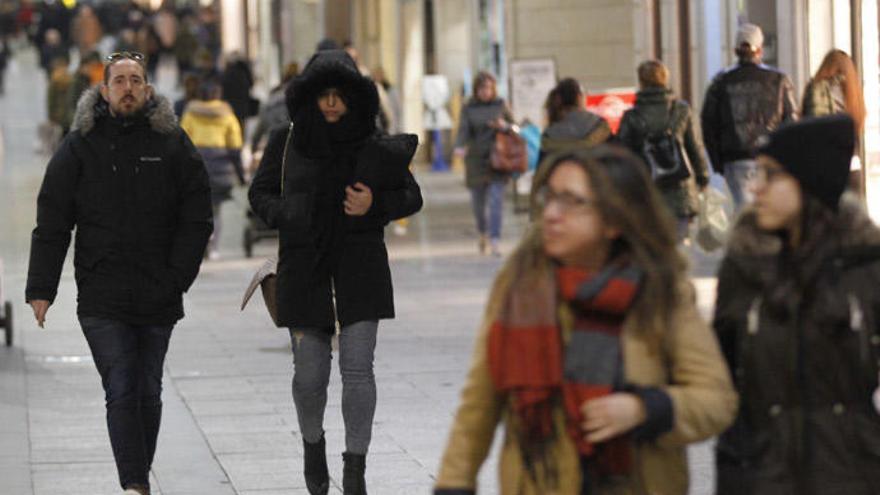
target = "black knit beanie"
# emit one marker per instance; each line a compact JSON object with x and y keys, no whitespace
{"x":817,"y":152}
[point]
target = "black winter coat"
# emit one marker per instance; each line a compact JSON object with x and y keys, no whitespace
{"x":656,"y":110}
{"x":137,"y":193}
{"x":803,"y":346}
{"x":744,"y":103}
{"x":355,"y":268}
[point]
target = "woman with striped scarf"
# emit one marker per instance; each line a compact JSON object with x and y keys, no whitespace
{"x":592,"y":352}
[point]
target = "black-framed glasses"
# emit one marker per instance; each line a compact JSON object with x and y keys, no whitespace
{"x":116,"y":56}
{"x":565,"y":201}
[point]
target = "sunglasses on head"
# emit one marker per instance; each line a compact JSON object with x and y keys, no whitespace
{"x":116,"y":56}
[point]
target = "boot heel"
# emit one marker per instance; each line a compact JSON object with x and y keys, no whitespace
{"x":315,"y":467}
{"x":353,"y":482}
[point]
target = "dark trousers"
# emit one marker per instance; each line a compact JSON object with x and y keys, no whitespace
{"x":129,"y":359}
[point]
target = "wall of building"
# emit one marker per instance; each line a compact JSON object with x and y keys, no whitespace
{"x":591,"y":40}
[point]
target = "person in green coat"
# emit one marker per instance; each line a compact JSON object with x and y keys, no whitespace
{"x":656,"y":111}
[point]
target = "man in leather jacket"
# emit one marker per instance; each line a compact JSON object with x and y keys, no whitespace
{"x":744,"y":102}
{"x":136,"y":190}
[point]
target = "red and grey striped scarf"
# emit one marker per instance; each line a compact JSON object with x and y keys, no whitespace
{"x":529,"y":361}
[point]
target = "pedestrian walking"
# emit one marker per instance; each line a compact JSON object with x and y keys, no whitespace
{"x":592,"y":351}
{"x":86,"y":30}
{"x":797,"y":319}
{"x":212,"y":127}
{"x":744,"y":103}
{"x":836,"y":88}
{"x":130,"y":182}
{"x":570,"y":126}
{"x":481,"y":117}
{"x":5,"y":55}
{"x":273,"y":114}
{"x":333,"y":267}
{"x":237,"y":80}
{"x":661,"y":128}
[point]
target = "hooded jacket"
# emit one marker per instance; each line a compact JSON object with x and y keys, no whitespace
{"x":332,"y":266}
{"x":214,"y":130}
{"x":578,"y":129}
{"x":800,"y":334}
{"x":137,"y":192}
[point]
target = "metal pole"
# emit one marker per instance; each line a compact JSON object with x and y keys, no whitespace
{"x":857,"y":56}
{"x":684,"y":47}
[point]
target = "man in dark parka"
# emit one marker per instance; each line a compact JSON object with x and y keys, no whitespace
{"x":135,"y":188}
{"x":330,"y":184}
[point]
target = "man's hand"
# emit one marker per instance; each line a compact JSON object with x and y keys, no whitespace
{"x":610,"y":416}
{"x":459,"y":152}
{"x":40,"y":307}
{"x":358,"y":199}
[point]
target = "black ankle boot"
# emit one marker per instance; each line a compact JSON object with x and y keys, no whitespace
{"x":353,"y":482}
{"x":315,"y":470}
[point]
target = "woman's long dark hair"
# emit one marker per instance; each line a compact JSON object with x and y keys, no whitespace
{"x":566,"y":96}
{"x":628,"y":200}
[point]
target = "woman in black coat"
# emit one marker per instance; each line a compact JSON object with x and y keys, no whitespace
{"x":797,"y":319}
{"x":330,"y":184}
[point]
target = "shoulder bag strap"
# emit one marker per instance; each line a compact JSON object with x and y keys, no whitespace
{"x":284,"y":156}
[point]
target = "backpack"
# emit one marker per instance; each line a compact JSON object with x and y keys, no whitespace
{"x":664,"y":151}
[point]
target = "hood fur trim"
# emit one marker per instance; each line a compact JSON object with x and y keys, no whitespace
{"x":160,"y":112}
{"x":856,"y":229}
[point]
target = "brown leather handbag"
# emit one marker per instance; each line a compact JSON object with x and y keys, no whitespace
{"x":509,"y":154}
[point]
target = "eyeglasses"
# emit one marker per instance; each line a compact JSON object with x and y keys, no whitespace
{"x":565,"y":201}
{"x":117,"y":56}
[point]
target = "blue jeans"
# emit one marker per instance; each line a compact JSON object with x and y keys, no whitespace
{"x":311,"y":375}
{"x":488,"y":203}
{"x":738,"y":175}
{"x":129,"y":359}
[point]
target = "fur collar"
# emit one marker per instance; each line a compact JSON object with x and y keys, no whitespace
{"x":855,"y":228}
{"x":160,"y":113}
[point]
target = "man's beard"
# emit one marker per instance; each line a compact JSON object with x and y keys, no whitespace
{"x":127,"y":107}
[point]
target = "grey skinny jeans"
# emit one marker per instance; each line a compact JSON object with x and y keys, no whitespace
{"x":311,"y":375}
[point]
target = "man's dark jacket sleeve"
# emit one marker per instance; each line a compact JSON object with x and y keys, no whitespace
{"x":710,"y":122}
{"x":56,"y":214}
{"x":195,"y":217}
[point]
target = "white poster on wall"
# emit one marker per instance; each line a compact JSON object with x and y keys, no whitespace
{"x":531,"y":80}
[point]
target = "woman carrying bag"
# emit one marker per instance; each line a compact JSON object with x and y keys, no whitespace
{"x":592,"y":352}
{"x":481,"y":117}
{"x":797,"y":318}
{"x":659,"y":114}
{"x":342,"y":183}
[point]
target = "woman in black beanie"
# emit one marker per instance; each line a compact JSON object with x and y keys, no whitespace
{"x":797,"y":316}
{"x":329,"y":185}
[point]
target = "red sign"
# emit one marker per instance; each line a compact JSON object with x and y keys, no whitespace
{"x":612,"y":104}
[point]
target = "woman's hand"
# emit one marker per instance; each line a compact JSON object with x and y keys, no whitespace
{"x":459,"y":152}
{"x":358,"y":199}
{"x":610,"y":416}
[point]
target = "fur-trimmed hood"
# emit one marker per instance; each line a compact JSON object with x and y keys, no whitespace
{"x":333,"y":68}
{"x":91,"y":107}
{"x":855,"y":229}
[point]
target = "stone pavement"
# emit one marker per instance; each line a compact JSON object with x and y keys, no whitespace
{"x":229,"y":425}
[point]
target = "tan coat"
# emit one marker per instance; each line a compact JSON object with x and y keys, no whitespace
{"x":704,"y":404}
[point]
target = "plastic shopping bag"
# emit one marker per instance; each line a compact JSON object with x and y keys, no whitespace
{"x":712,"y":221}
